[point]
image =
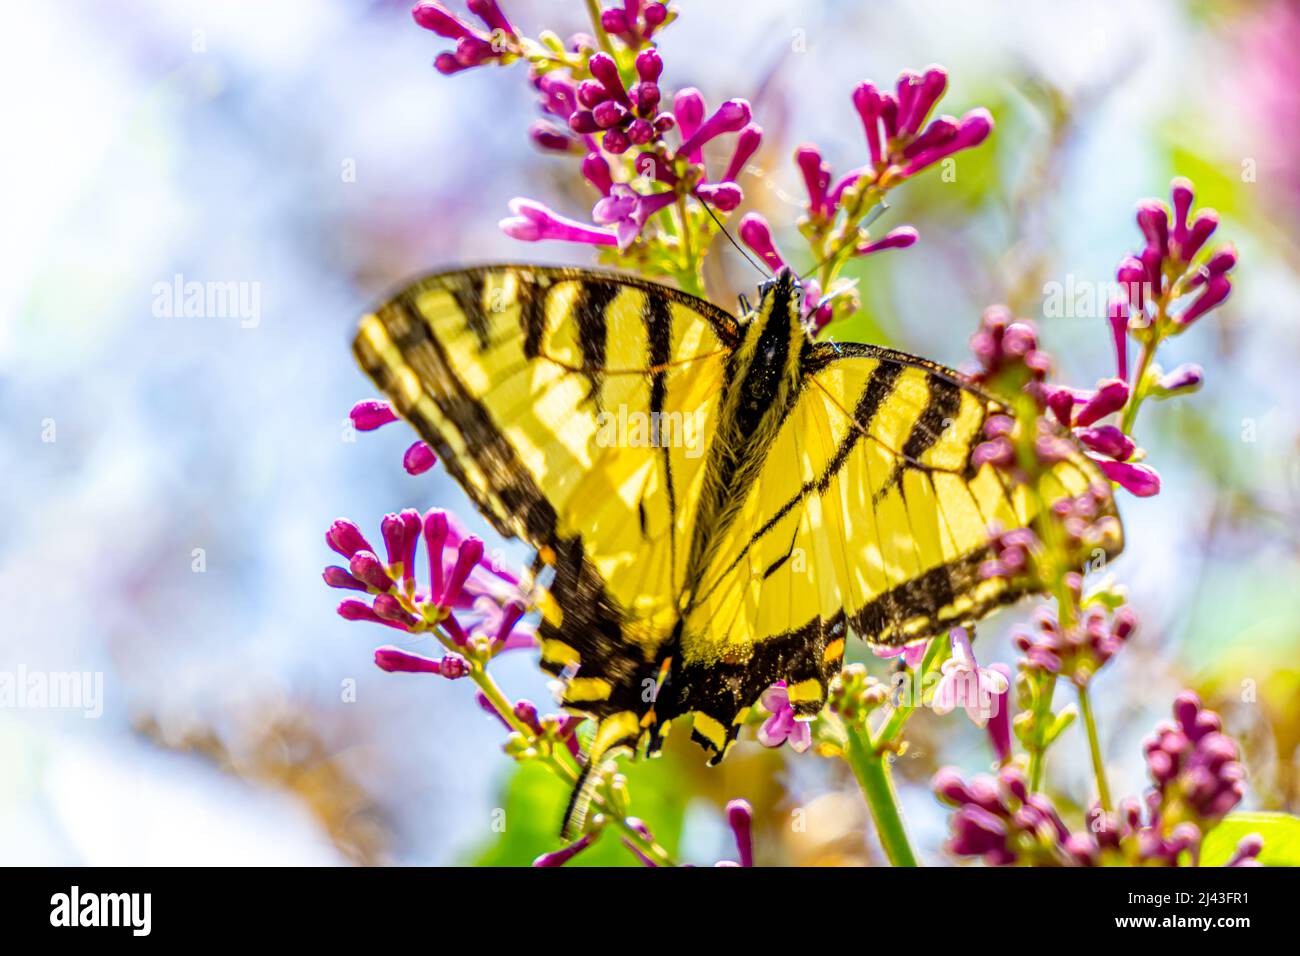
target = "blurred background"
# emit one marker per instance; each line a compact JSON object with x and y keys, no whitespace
{"x":167,"y":481}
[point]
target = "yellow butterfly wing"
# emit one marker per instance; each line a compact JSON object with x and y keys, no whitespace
{"x":575,"y":408}
{"x":867,"y":517}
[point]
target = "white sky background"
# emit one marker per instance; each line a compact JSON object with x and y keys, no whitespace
{"x":129,"y":157}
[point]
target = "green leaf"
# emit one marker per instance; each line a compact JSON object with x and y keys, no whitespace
{"x":527,"y":820}
{"x":1280,"y":831}
{"x":1062,"y":721}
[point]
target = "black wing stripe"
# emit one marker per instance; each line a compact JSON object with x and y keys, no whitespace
{"x":532,"y":313}
{"x":589,"y":312}
{"x":657,"y":314}
{"x":944,"y":403}
{"x":490,"y":450}
{"x":468,"y":293}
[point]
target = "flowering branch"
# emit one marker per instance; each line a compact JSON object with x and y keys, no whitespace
{"x":638,"y":145}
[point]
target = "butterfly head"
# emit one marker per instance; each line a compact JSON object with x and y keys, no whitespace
{"x":785,"y":283}
{"x":781,"y":297}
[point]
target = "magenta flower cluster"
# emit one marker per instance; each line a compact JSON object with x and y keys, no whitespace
{"x":487,"y":42}
{"x":900,"y":141}
{"x":460,"y":580}
{"x":1007,"y":348}
{"x":641,"y":147}
{"x":1175,"y":280}
{"x":1078,"y":651}
{"x":900,"y":144}
{"x":1197,"y":780}
{"x":1175,"y":264}
{"x":628,"y":120}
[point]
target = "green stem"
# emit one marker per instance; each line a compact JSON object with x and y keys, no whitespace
{"x":1042,"y":707}
{"x":602,"y":38}
{"x":873,"y":777}
{"x":1094,"y":745}
{"x":1139,"y":377}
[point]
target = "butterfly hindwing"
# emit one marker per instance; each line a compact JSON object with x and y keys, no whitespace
{"x":866,"y":518}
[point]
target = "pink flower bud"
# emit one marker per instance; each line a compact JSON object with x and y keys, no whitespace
{"x":418,"y":459}
{"x":740,"y":817}
{"x":1107,"y":440}
{"x":371,"y":413}
{"x":688,"y":107}
{"x":468,"y":555}
{"x":367,"y":568}
{"x":1215,"y":291}
{"x":900,"y":238}
{"x":396,"y":660}
{"x":866,"y":100}
{"x":604,"y":69}
{"x":595,"y":169}
{"x":747,"y":142}
{"x":816,"y":176}
{"x":1202,"y":227}
{"x":1111,"y":396}
{"x":1185,"y":378}
{"x":649,"y":65}
{"x":391,"y":610}
{"x":346,"y":538}
{"x":1181,"y":190}
{"x":730,"y":117}
{"x":436,"y":528}
{"x":337,"y":577}
{"x":755,"y":233}
{"x":724,"y":197}
{"x":609,"y":114}
{"x":551,"y":138}
{"x":565,"y":854}
{"x":1138,"y":480}
{"x":490,"y":13}
{"x":436,"y":17}
{"x":1153,"y":220}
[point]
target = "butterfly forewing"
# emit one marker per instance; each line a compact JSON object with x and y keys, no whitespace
{"x":575,"y":408}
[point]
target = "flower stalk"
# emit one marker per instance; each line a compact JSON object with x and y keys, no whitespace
{"x":1094,"y":747}
{"x":871,"y":768}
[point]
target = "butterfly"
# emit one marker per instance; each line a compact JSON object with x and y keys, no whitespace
{"x":721,"y":500}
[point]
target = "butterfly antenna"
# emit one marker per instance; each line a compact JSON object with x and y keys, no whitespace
{"x":870,"y":218}
{"x":723,"y":229}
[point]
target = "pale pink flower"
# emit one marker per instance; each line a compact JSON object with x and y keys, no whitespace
{"x":782,"y":726}
{"x":967,"y":685}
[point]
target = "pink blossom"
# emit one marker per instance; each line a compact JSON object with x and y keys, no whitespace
{"x":533,"y":222}
{"x":782,"y":726}
{"x":967,"y":685}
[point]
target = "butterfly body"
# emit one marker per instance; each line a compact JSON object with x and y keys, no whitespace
{"x":807,"y":490}
{"x":762,"y":378}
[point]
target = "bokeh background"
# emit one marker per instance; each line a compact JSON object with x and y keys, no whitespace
{"x":166,"y":482}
